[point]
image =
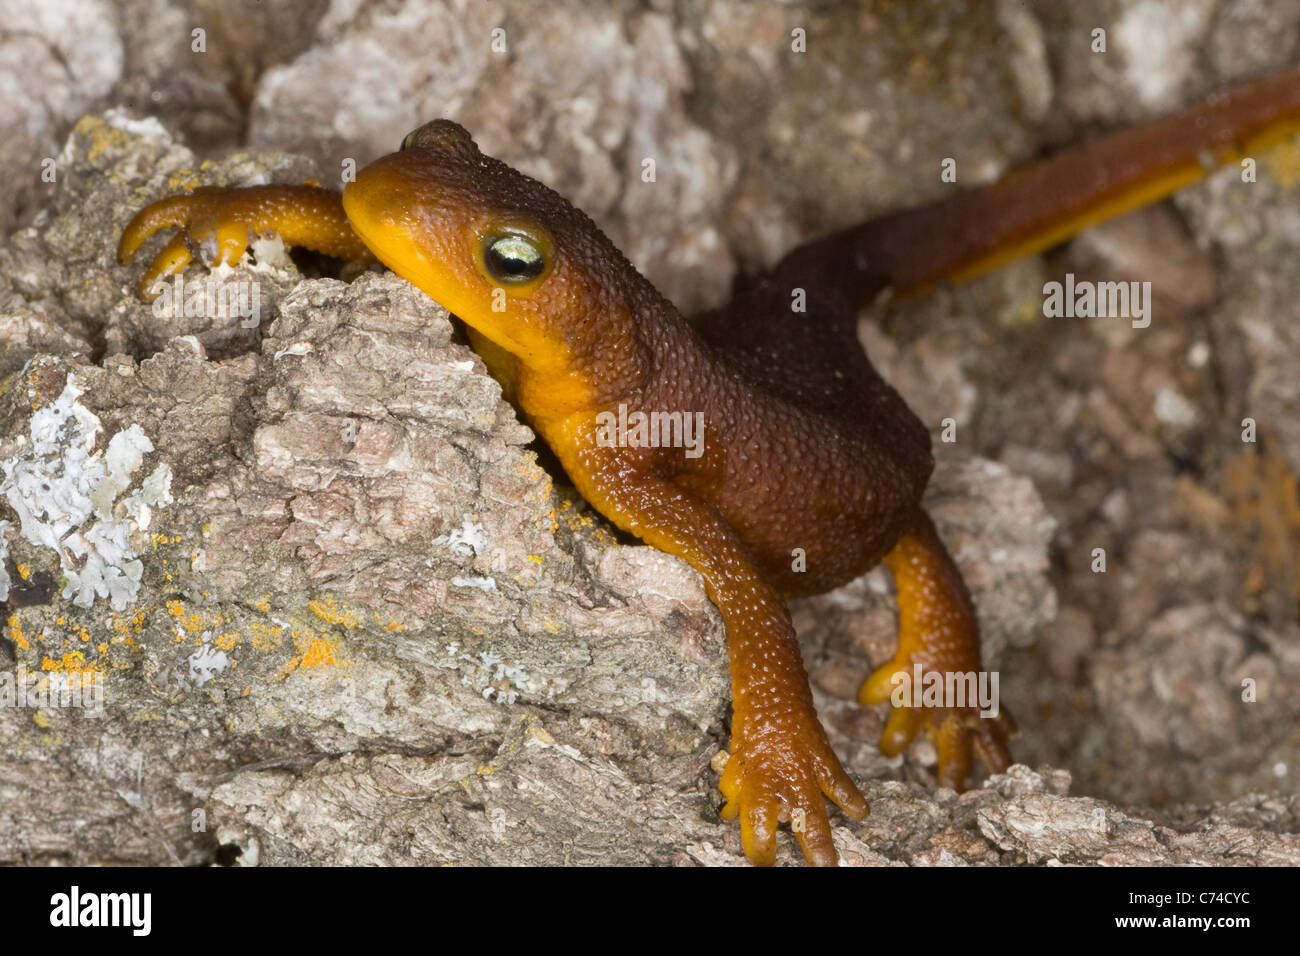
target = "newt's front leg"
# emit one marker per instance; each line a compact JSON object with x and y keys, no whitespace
{"x":220,"y":223}
{"x":781,"y":765}
{"x":937,"y":636}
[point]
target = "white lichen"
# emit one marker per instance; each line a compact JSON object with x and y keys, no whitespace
{"x":297,"y":348}
{"x":514,"y":677}
{"x":150,"y":127}
{"x":483,"y":584}
{"x":468,"y":540}
{"x":206,"y":663}
{"x":72,"y":498}
{"x":491,"y":671}
{"x":4,"y":558}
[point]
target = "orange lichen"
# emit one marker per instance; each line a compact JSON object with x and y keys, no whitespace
{"x":318,"y":652}
{"x":16,"y":632}
{"x":72,"y":667}
{"x":329,"y":610}
{"x":183,"y":179}
{"x":227,"y":641}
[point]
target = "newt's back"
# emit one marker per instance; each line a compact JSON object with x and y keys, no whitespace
{"x":795,"y":338}
{"x":814,"y":450}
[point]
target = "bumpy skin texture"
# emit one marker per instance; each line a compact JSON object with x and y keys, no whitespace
{"x":811,"y":468}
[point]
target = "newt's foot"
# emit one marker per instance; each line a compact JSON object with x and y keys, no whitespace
{"x":936,"y":681}
{"x":220,"y":237}
{"x":218,"y":224}
{"x":958,"y":732}
{"x":783,"y":774}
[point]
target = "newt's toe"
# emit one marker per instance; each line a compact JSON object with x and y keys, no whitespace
{"x":960,"y":734}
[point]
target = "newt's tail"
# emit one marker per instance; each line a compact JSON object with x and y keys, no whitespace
{"x":1047,"y":202}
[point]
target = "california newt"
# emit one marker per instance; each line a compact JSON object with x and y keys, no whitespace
{"x":806,"y":450}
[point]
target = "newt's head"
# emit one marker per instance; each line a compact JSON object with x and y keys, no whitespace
{"x":508,"y":255}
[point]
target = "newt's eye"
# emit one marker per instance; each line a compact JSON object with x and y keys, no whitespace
{"x":513,"y":258}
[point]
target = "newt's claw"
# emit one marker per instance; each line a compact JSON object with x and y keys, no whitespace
{"x":784,"y":776}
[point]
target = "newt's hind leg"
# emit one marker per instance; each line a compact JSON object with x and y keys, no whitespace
{"x":938,"y":639}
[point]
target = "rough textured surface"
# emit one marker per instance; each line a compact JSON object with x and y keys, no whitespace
{"x":367,"y":627}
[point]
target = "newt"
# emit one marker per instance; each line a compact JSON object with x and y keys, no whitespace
{"x":804,"y":445}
